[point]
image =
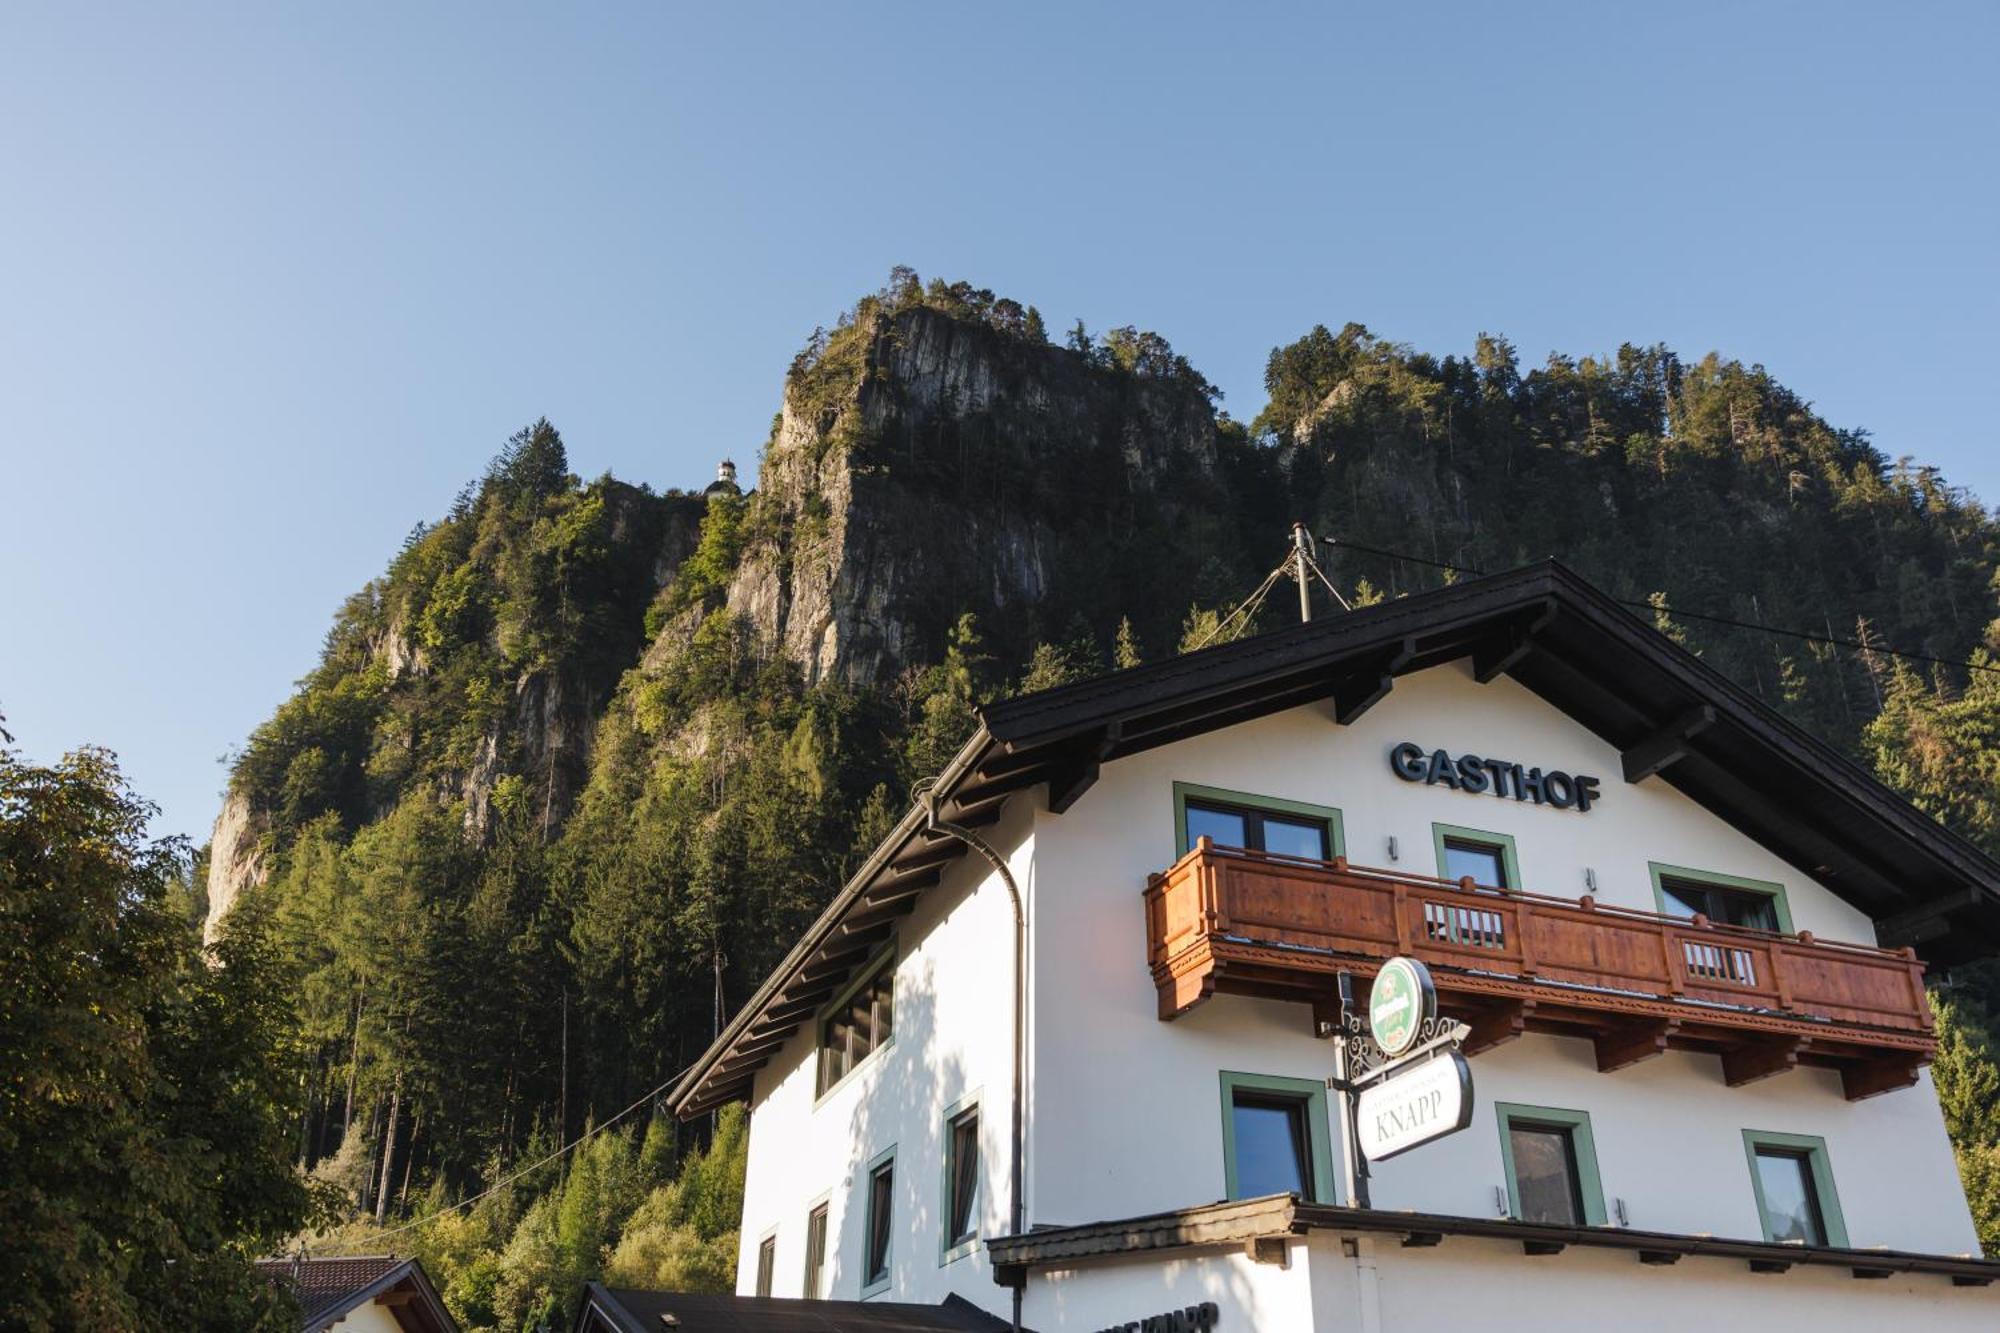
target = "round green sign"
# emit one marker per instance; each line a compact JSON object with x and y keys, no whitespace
{"x":1399,"y":1004}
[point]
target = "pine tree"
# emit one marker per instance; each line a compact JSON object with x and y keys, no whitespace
{"x":1125,"y":650}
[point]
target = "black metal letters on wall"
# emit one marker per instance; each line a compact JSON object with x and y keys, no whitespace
{"x":1501,"y":777}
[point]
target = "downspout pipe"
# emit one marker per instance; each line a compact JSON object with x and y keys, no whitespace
{"x":1017,"y":1211}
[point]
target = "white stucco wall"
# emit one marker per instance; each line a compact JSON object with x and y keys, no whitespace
{"x":1127,"y":1115}
{"x":953,"y":1040}
{"x":368,"y":1318}
{"x":1476,"y":1284}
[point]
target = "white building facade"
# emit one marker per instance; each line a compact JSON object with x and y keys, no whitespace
{"x":1694,"y":988}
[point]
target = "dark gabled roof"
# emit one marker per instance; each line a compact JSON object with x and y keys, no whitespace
{"x":619,"y":1310}
{"x":327,"y":1289}
{"x":1244,"y":1222}
{"x":1543,"y":626}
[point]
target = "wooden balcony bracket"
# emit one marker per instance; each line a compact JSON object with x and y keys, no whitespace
{"x":1498,"y":1025}
{"x":1629,"y":1045}
{"x":1762,"y":1059}
{"x":1875,"y":1077}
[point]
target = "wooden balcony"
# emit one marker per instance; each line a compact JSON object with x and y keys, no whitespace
{"x":1634,"y":983}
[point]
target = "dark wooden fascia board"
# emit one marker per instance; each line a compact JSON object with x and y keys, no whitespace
{"x":1234,"y":1224}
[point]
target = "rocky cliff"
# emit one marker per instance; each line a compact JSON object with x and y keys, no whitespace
{"x":926,"y":464}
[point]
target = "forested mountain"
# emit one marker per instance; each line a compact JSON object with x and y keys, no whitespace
{"x":574,"y":771}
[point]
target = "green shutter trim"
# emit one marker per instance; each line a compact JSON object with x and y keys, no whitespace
{"x":1821,"y":1166}
{"x":866,"y":1183}
{"x":1769,"y":888}
{"x":1504,"y":841}
{"x":1336,"y":835}
{"x":946,"y":1250}
{"x":1310,"y":1091}
{"x":1588,"y":1183}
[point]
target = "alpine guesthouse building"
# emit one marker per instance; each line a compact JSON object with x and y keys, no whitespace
{"x":1071,"y":1046}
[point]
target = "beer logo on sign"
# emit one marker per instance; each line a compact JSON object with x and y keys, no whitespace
{"x":1398,"y":1005}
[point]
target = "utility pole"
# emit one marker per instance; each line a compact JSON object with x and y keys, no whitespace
{"x":1301,"y":555}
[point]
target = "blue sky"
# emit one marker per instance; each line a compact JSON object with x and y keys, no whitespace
{"x":276,"y":281}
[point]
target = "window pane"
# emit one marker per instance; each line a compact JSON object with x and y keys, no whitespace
{"x":885,"y":1006}
{"x":1684,"y":899}
{"x":1755,"y":910}
{"x":1272,"y":1156}
{"x":1791,"y":1204}
{"x":1481,"y":860}
{"x":1296,"y":837}
{"x":816,"y":1254}
{"x":962,"y":1176}
{"x":1225,"y":828}
{"x":1545,"y":1185}
{"x":767,"y":1258}
{"x":881,"y":1194}
{"x":862,"y":1024}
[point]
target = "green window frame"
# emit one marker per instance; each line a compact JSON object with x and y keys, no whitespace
{"x":865,"y":975}
{"x":1589,"y":1185}
{"x":1184,"y":791}
{"x":1768,"y":888}
{"x":966,"y":1106}
{"x":1812,"y":1148}
{"x":1311,"y":1093}
{"x":880,"y":1162}
{"x":1510,"y":861}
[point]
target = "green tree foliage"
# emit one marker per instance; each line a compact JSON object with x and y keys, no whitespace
{"x":683,"y":1237}
{"x":1125,"y":652}
{"x":1941,"y":749}
{"x":1709,"y":484}
{"x":147,"y":1089}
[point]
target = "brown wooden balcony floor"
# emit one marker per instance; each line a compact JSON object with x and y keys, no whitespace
{"x":1634,"y":983}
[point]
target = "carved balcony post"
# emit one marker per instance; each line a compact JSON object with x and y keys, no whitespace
{"x":1526,"y":945}
{"x":1780,"y":976}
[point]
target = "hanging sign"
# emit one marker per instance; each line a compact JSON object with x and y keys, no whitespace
{"x":1411,"y":1107}
{"x":1402,"y":1004}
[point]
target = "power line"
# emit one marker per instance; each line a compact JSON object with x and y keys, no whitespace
{"x":509,"y":1179}
{"x":1730,"y":621}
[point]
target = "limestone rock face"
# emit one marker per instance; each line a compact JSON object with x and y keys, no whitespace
{"x":236,"y":858}
{"x":958,"y":470}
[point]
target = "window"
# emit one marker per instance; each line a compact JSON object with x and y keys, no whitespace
{"x":1275,"y":1138}
{"x":858,"y":1024}
{"x":815,"y":1288}
{"x":1728,"y":900}
{"x":1793,"y":1182}
{"x":1551,"y":1164}
{"x":1487,"y":857}
{"x":1256,"y":823}
{"x":878,"y":1218}
{"x":767,"y":1259}
{"x":961,"y":1180}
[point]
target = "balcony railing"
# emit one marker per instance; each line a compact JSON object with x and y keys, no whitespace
{"x":1635,"y":983}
